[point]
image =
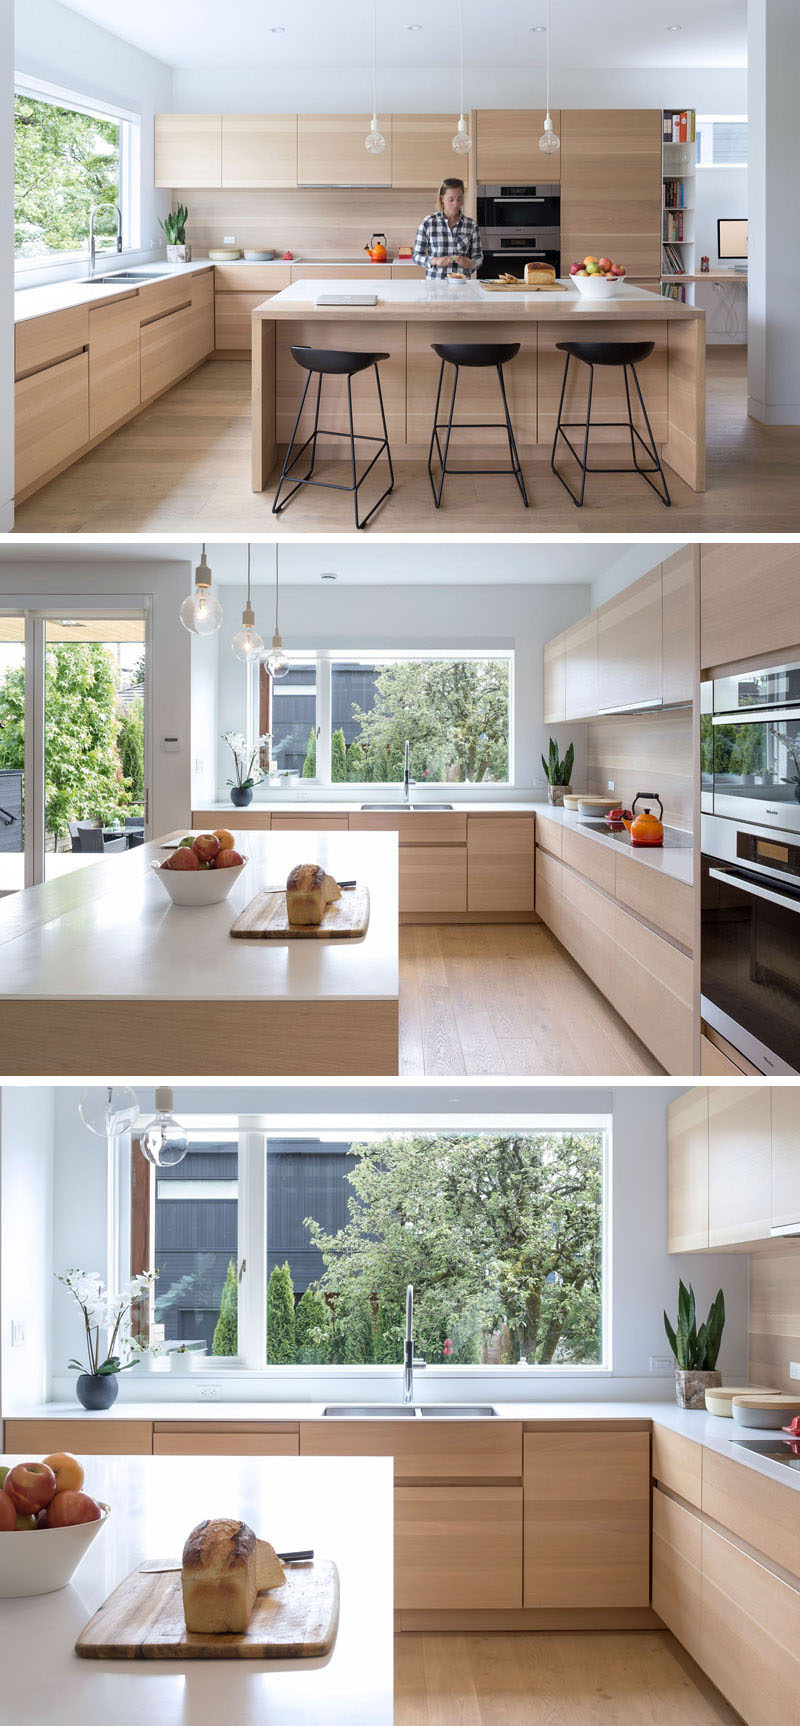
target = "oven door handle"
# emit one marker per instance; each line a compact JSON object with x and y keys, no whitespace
{"x":731,"y":880}
{"x":755,"y":715}
{"x":518,"y":200}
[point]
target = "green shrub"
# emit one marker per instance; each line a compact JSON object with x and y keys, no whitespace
{"x":281,"y":1349}
{"x":226,"y":1334}
{"x":353,"y":1328}
{"x":310,"y":763}
{"x":313,"y":1329}
{"x":356,"y":764}
{"x":338,"y":758}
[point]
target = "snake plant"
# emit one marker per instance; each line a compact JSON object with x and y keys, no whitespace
{"x":174,"y":225}
{"x":556,"y":771}
{"x":696,"y":1350}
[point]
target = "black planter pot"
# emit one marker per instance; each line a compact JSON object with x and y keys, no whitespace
{"x":97,"y":1389}
{"x":241,"y":795}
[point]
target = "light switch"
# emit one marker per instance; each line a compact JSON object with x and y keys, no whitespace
{"x":661,"y":1363}
{"x":794,"y":1369}
{"x":229,"y":239}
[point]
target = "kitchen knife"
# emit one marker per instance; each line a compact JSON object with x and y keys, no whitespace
{"x":159,"y":1566}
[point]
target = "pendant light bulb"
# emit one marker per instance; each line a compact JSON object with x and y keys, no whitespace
{"x":374,"y":142}
{"x":164,"y":1141}
{"x":549,"y":143}
{"x":462,"y":142}
{"x":277,"y":662}
{"x":200,"y":612}
{"x":247,"y":644}
{"x":109,"y":1110}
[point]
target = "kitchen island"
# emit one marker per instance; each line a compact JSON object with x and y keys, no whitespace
{"x":410,"y":315}
{"x":99,"y":972}
{"x":340,"y":1507}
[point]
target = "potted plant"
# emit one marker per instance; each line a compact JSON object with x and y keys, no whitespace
{"x":558,"y":773}
{"x":182,"y":1359}
{"x":246,"y":764}
{"x":174,"y":226}
{"x":97,"y":1385}
{"x":146,"y":1353}
{"x":696,"y":1351}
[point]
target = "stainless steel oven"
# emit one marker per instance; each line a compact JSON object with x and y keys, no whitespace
{"x":519,"y":225}
{"x":750,"y":747}
{"x":750,"y":941}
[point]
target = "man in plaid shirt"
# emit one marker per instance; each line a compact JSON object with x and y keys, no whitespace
{"x":448,"y":238}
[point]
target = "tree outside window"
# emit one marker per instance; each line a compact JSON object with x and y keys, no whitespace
{"x":65,"y":161}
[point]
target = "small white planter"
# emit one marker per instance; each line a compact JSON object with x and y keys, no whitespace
{"x":179,"y":254}
{"x":148,"y":1362}
{"x":185,"y":1362}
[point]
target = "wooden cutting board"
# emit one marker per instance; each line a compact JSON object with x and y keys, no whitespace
{"x":143,"y":1620}
{"x":265,"y":919}
{"x":523,"y":287}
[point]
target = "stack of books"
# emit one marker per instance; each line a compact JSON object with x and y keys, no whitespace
{"x":673,"y":225}
{"x":674,"y":194}
{"x":673,"y":290}
{"x":673,"y":262}
{"x":679,"y":127}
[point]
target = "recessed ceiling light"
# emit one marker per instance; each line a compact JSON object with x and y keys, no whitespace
{"x":277,"y":29}
{"x":413,"y":27}
{"x":673,"y":26}
{"x":538,"y":29}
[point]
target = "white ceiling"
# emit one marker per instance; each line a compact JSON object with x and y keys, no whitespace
{"x":617,"y":34}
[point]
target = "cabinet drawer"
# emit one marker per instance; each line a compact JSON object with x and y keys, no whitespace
{"x":758,"y":1510}
{"x":678,"y":1464}
{"x":658,"y":898}
{"x":677,"y":1573}
{"x":309,"y":823}
{"x":422,"y":1450}
{"x":233,"y":820}
{"x":750,"y":1628}
{"x":156,"y":298}
{"x":233,"y":319}
{"x":95,"y":1437}
{"x":653,"y":991}
{"x":587,"y":1518}
{"x":418,"y":829}
{"x":260,"y":279}
{"x":587,"y":929}
{"x":229,"y":1440}
{"x":166,"y":350}
{"x":549,"y":835}
{"x":51,"y":419}
{"x":500,"y":863}
{"x":548,"y":890}
{"x":458,"y":1547}
{"x":593,"y":861}
{"x":341,"y":272}
{"x":433,"y":878}
{"x":40,"y":342}
{"x":114,"y":381}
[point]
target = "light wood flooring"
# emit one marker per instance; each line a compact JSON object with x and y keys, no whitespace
{"x":184,"y":465}
{"x":599,"y":1678}
{"x":505,"y":999}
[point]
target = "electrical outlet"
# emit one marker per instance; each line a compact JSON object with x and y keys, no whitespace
{"x":610,"y":785}
{"x":209,"y":1393}
{"x":794,"y":1369}
{"x":661,"y":1363}
{"x":229,"y":239}
{"x":17,"y":1333}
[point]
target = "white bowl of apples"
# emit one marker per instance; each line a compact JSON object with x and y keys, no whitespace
{"x":597,"y":278}
{"x":202,"y":868}
{"x":47,"y":1524}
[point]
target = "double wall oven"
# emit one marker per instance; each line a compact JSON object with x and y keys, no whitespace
{"x":519,"y":225}
{"x":750,"y":881}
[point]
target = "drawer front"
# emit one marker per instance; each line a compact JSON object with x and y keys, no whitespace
{"x":261,"y":279}
{"x":233,"y":820}
{"x":548,"y":890}
{"x":593,"y":861}
{"x":408,"y":272}
{"x":95,"y":1437}
{"x":234,"y":322}
{"x":202,"y":288}
{"x":114,"y":365}
{"x":226,"y":1441}
{"x":587,"y":1519}
{"x":678,"y":1464}
{"x":750,"y":1630}
{"x":758,"y":1510}
{"x":422,"y":1450}
{"x":309,"y":823}
{"x":715,"y":1064}
{"x":40,"y":342}
{"x":156,"y":298}
{"x":342,"y":273}
{"x":677,"y":1574}
{"x":433,"y":878}
{"x":587,"y":929}
{"x":167,"y":348}
{"x":417,"y":829}
{"x":458,"y":1547}
{"x":664,"y":902}
{"x":549,"y":835}
{"x":500,"y":863}
{"x":652,"y":989}
{"x":51,"y":419}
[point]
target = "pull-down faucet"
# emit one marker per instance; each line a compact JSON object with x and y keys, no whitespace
{"x":409,"y":1361}
{"x":406,"y":772}
{"x":95,"y":210}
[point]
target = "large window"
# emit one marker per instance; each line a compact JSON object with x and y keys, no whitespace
{"x":721,"y":141}
{"x":69,"y":157}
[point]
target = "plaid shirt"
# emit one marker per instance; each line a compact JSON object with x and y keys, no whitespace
{"x":436,"y":239}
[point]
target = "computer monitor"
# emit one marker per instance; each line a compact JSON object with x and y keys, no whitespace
{"x":731,"y":238}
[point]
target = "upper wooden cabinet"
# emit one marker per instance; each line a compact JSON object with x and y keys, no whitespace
{"x":629,"y":646}
{"x":611,"y":187}
{"x":259,"y":150}
{"x":739,"y":1159}
{"x":587,"y":1519}
{"x":188,"y":150}
{"x":330,"y":151}
{"x":785,"y":1207}
{"x":554,"y":687}
{"x":422,"y":152}
{"x":749,"y":601}
{"x":687,"y":1172}
{"x":507,"y":147}
{"x":580,"y":667}
{"x":679,"y":672}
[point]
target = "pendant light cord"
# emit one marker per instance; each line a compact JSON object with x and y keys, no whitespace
{"x":276,"y":589}
{"x":374,"y":79}
{"x":248,"y":575}
{"x":461,"y":58}
{"x":547,"y":57}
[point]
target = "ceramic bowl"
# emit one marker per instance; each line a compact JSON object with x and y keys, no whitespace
{"x":197,"y":887}
{"x":766,"y":1417}
{"x":571,"y":801}
{"x":719,"y":1400}
{"x":597,"y":287}
{"x":40,"y":1560}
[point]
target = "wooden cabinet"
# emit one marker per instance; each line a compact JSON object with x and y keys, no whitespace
{"x":587,"y":930}
{"x":548,"y":890}
{"x":40,"y":342}
{"x":422,"y":152}
{"x":611,"y":187}
{"x":755,"y":1508}
{"x":587,"y":1519}
{"x":237,"y":292}
{"x":749,"y":601}
{"x":165,"y":347}
{"x":715,"y":1064}
{"x":95,"y":1437}
{"x":687,"y":1174}
{"x":677,"y":1570}
{"x":659,"y":899}
{"x":433,"y":878}
{"x":629,"y":646}
{"x":679,"y":673}
{"x":739,"y":1161}
{"x":188,"y":150}
{"x":549,"y":835}
{"x":487,"y":1450}
{"x":309,"y":823}
{"x":330,"y":151}
{"x":507,"y":147}
{"x":581,"y":668}
{"x":51,"y":420}
{"x":653,"y":991}
{"x":458,"y":1547}
{"x":199,"y":1438}
{"x":448,"y":827}
{"x":500,"y":863}
{"x":259,"y":150}
{"x":677,"y":1464}
{"x":114,"y":383}
{"x":554,"y":681}
{"x":200,"y":341}
{"x":750,"y":1632}
{"x":785,"y":1196}
{"x":596,"y":862}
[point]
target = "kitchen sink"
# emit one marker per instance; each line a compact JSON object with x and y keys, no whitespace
{"x":459,"y":1410}
{"x":407,"y":808}
{"x":118,"y":276}
{"x":410,"y":1411}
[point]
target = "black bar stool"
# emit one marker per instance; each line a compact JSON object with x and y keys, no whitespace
{"x":335,"y":362}
{"x":624,"y":354}
{"x":473,"y":354}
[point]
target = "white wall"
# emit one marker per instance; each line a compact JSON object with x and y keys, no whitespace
{"x":519,"y":617}
{"x":7,"y":267}
{"x":719,"y":192}
{"x":59,"y":46}
{"x":26,"y":1241}
{"x":774,"y":348}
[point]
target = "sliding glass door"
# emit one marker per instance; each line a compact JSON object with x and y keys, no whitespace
{"x":12,"y":753}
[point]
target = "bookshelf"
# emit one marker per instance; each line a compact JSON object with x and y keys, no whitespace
{"x":678,"y":172}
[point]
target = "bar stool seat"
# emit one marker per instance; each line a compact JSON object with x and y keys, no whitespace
{"x":472,"y":355}
{"x":335,"y":362}
{"x":624,"y":354}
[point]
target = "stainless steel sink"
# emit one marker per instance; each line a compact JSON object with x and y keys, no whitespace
{"x":423,"y":806}
{"x":410,"y":1411}
{"x":407,"y":808}
{"x":459,"y":1410}
{"x":374,"y":807}
{"x":118,"y":276}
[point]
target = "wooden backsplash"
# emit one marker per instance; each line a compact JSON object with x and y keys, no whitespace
{"x":775,"y":1314}
{"x":326,"y":223}
{"x":644,"y":752}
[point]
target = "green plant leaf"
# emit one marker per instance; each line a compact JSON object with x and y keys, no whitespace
{"x":671,"y":1337}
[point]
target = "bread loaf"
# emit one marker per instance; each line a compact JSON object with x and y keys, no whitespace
{"x":309,"y":891}
{"x":537,"y":274}
{"x":219,"y":1577}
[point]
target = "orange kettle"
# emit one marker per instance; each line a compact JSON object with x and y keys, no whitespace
{"x":377,"y":249}
{"x":647,"y":829}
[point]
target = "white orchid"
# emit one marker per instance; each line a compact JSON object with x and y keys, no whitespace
{"x":103,"y":1311}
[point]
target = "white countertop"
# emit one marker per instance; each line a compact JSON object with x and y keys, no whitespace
{"x":37,"y":302}
{"x":424,"y":299}
{"x":110,"y":932}
{"x":341,"y":1507}
{"x":677,"y":863}
{"x":286,"y":805}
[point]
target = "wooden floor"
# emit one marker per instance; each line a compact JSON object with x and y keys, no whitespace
{"x":505,"y":999}
{"x":184,"y":465}
{"x":602,"y":1678}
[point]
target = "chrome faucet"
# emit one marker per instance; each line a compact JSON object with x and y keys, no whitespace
{"x":406,"y":772}
{"x":409,"y":1360}
{"x":95,"y":209}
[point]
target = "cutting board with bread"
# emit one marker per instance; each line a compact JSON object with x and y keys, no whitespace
{"x":311,"y":907}
{"x":229,"y":1599}
{"x":538,"y":278}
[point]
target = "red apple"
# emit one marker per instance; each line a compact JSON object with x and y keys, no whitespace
{"x":618,"y":269}
{"x":67,"y":1470}
{"x":8,"y":1515}
{"x":30,"y":1486}
{"x":184,"y":858}
{"x":605,"y":263}
{"x":229,"y":859}
{"x":69,"y":1508}
{"x":574,"y":269}
{"x":206,"y":846}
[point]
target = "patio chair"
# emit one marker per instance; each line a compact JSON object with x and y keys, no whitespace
{"x":92,"y":839}
{"x":11,"y":809}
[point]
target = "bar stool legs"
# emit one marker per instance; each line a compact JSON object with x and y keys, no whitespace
{"x":451,"y":424}
{"x":648,"y":444}
{"x":291,"y":460}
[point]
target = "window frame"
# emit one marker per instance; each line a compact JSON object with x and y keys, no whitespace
{"x":705,"y":123}
{"x":130,"y":150}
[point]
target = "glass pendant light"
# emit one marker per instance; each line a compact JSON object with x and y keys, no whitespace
{"x":374,"y":141}
{"x":200,"y":612}
{"x":164,"y":1142}
{"x":549,"y":143}
{"x":276,"y":662}
{"x":109,"y":1110}
{"x":247,"y":643}
{"x":462,"y":142}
